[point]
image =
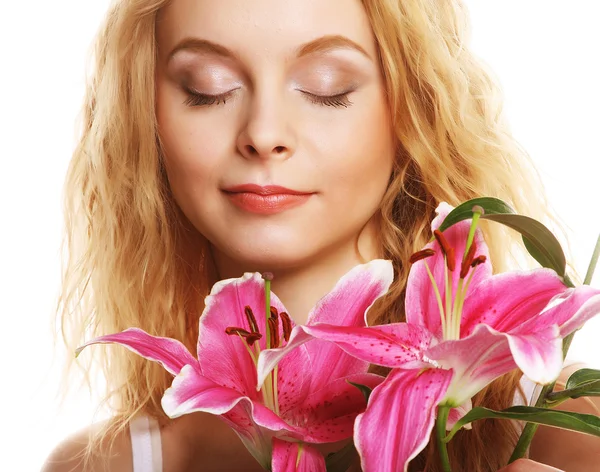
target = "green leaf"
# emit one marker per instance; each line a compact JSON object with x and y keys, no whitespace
{"x":583,"y":423}
{"x":538,"y":239}
{"x":548,"y":251}
{"x":582,"y":376}
{"x":464,"y":211}
{"x":342,"y":460}
{"x":587,"y":389}
{"x":366,"y":391}
{"x":583,"y":383}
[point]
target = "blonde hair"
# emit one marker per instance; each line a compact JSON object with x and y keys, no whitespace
{"x":135,"y":260}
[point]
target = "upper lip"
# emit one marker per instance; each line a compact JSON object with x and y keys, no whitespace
{"x":264,"y":190}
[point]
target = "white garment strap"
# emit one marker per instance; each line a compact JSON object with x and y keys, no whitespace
{"x":145,"y":444}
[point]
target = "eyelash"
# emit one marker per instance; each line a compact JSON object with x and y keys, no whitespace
{"x":196,"y":99}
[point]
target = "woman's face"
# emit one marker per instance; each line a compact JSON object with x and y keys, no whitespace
{"x":257,"y":95}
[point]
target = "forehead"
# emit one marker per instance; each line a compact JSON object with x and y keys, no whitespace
{"x":266,"y":29}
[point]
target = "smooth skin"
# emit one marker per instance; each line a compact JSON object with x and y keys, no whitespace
{"x":277,"y":93}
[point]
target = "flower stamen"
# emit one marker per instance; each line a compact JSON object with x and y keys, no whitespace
{"x":478,"y":260}
{"x":286,"y":324}
{"x":420,"y":255}
{"x":250,"y":338}
{"x":274,"y":331}
{"x":447,"y":250}
{"x":438,"y":297}
{"x":467,"y":261}
{"x":251,"y":319}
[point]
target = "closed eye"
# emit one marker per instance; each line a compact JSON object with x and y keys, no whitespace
{"x":197,"y":99}
{"x":338,"y":100}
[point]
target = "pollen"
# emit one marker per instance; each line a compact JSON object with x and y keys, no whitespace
{"x":232,"y":330}
{"x":274,"y":331}
{"x":250,"y":338}
{"x":478,"y":260}
{"x":251,"y":319}
{"x":447,"y":250}
{"x":420,"y":255}
{"x":286,"y":324}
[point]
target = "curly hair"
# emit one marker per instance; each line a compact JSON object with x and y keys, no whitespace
{"x":133,"y":259}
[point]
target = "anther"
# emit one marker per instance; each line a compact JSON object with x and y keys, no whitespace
{"x":250,"y":338}
{"x":232,"y":330}
{"x":286,"y":324}
{"x":468,"y":260}
{"x":251,"y":319}
{"x":478,"y":260}
{"x":253,"y":338}
{"x":446,"y":249}
{"x":451,"y":259}
{"x":274,"y":312}
{"x":274,"y":331}
{"x":420,"y":255}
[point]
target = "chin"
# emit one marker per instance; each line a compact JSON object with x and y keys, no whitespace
{"x":272,"y":257}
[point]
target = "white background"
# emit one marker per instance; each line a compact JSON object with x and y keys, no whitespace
{"x":545,"y":53}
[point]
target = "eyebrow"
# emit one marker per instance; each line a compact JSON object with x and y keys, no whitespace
{"x":320,"y":45}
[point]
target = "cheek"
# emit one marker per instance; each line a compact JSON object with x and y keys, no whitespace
{"x":360,"y":156}
{"x":193,"y":151}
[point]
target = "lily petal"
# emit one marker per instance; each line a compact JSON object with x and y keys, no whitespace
{"x":393,"y":345}
{"x":399,"y":418}
{"x":346,"y":305}
{"x":168,"y":352}
{"x":226,"y":358}
{"x":191,"y":392}
{"x":487,"y":354}
{"x":507,"y":300}
{"x":354,"y":294}
{"x":570,"y":310}
{"x":296,"y":457}
{"x":421,"y":303}
{"x":329,"y":413}
{"x":293,"y":380}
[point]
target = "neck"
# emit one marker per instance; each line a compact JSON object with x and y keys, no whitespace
{"x":301,"y":285}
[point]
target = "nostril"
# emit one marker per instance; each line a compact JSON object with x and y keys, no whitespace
{"x":251,"y":150}
{"x":279,"y":149}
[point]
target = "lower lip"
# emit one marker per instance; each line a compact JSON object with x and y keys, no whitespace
{"x":266,"y":204}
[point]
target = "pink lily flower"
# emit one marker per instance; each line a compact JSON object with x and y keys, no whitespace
{"x":306,"y":400}
{"x":464,"y":328}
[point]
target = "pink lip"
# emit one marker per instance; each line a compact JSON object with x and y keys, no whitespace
{"x":264,"y":190}
{"x":265,"y":200}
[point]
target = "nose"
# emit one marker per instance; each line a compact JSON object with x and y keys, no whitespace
{"x":267,"y":132}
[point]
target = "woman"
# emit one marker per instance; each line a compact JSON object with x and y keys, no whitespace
{"x":301,"y":138}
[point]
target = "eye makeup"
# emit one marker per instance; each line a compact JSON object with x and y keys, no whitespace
{"x":209,"y":80}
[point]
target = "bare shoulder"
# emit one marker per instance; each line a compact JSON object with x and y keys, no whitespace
{"x":568,"y":450}
{"x":193,"y":440}
{"x":72,"y":454}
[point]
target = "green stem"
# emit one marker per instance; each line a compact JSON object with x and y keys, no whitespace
{"x":556,"y":398}
{"x":542,"y":401}
{"x":442,"y":419}
{"x":530,"y":428}
{"x":471,"y":236}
